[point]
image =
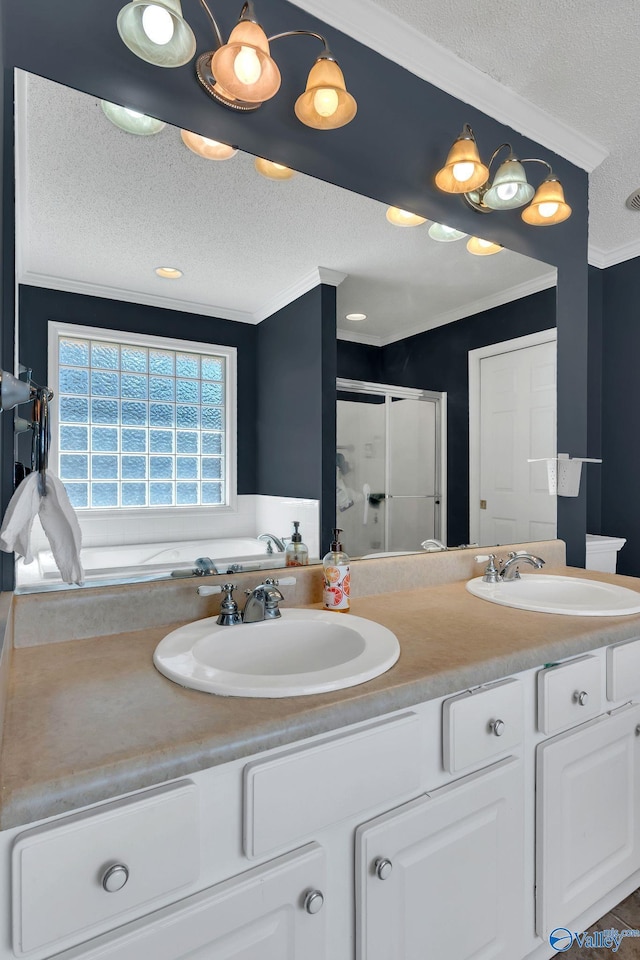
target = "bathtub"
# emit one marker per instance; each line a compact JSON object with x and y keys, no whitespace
{"x":153,"y":560}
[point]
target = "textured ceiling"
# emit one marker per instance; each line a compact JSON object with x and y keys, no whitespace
{"x":576,"y":59}
{"x":99,"y":209}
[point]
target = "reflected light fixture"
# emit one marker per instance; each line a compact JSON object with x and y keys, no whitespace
{"x":444,"y":234}
{"x":240,"y":74}
{"x":509,"y":189}
{"x":355,"y":316}
{"x":482,"y":248}
{"x":168,"y":273}
{"x":272,"y":170}
{"x":207,"y":148}
{"x":402,"y":218}
{"x":131,"y":121}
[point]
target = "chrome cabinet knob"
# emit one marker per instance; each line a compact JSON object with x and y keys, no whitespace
{"x":313,"y":901}
{"x":581,"y":697}
{"x":115,"y":877}
{"x":383,"y":868}
{"x":497,"y":727}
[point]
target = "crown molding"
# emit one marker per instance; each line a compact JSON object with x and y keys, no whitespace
{"x":355,"y":337}
{"x":396,"y":40}
{"x":517,"y":292}
{"x":609,"y":258}
{"x":132,"y":296}
{"x":301,"y":286}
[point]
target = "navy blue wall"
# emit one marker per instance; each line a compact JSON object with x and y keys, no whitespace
{"x":621,"y":410}
{"x":38,"y":305}
{"x":296,"y":426}
{"x":78,"y":44}
{"x":594,"y":407}
{"x":438,"y":360}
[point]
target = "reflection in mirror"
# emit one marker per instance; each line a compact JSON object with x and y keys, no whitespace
{"x":99,"y":209}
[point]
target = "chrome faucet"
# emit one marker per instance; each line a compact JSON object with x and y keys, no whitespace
{"x":506,"y":571}
{"x":271,"y":542}
{"x":262,"y":602}
{"x":433,"y":545}
{"x":510,"y":567}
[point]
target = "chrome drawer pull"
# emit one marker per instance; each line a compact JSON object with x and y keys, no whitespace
{"x":383,"y":868}
{"x":497,"y":727}
{"x":115,"y":877}
{"x":313,"y":901}
{"x":581,"y":697}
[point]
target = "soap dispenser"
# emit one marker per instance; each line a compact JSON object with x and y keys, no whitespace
{"x":297,"y":552}
{"x":337,"y":579}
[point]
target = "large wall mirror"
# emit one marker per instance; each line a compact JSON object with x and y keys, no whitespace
{"x":434,"y":430}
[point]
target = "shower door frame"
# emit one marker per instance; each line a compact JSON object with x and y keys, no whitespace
{"x":388,"y":391}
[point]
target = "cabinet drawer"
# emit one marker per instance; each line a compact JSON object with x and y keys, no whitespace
{"x":623,"y":670}
{"x":569,"y":693}
{"x":482,"y":724}
{"x":299,"y":792}
{"x":62,"y":872}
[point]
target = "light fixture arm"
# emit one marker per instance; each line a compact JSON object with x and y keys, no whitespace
{"x":326,"y":53}
{"x":497,"y":151}
{"x":214,"y":23}
{"x":550,"y":175}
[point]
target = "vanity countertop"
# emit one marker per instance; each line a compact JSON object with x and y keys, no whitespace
{"x":88,"y":720}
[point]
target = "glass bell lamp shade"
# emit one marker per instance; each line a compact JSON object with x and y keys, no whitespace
{"x":243,"y":66}
{"x":402,"y":218}
{"x":444,"y":234}
{"x":130,"y":120}
{"x":463,"y":170}
{"x":325,"y":104}
{"x":510,"y":187}
{"x":207,"y":148}
{"x":482,"y":248}
{"x":156,"y":32}
{"x":273,"y":171}
{"x":548,"y":205}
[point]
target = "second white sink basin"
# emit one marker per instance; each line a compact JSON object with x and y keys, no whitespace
{"x":302,"y":652}
{"x":572,"y":596}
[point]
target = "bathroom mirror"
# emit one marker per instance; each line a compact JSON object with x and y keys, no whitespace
{"x":99,"y":209}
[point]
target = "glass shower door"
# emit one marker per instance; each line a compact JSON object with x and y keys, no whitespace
{"x":388,"y":467}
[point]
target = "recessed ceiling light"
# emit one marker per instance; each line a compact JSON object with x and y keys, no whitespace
{"x":356,"y":316}
{"x":169,"y":273}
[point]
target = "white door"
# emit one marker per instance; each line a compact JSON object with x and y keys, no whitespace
{"x":516,"y":421}
{"x":258,"y":915}
{"x":588,"y":808}
{"x":442,"y":876}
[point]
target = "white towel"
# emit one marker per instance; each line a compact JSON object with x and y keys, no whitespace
{"x":61,"y":526}
{"x":15,"y":535}
{"x":58,"y":520}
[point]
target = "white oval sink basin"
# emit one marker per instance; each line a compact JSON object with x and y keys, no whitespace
{"x":302,"y":652}
{"x":543,"y":593}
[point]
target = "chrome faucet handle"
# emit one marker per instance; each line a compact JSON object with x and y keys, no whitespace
{"x":229,"y":613}
{"x":491,"y":573}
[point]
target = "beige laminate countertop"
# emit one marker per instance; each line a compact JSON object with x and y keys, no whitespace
{"x":88,"y":720}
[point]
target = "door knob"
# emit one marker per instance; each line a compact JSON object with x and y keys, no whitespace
{"x":313,"y":901}
{"x":383,"y":868}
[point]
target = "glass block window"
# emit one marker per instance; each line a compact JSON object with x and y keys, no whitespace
{"x":140,"y":424}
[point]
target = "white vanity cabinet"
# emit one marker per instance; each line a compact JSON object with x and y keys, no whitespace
{"x":271,"y":912}
{"x":588,"y":800}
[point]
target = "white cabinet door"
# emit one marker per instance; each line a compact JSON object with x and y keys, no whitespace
{"x":587,"y":817}
{"x":443,"y":876}
{"x":262,"y":914}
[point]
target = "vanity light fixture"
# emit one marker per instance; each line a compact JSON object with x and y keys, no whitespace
{"x":444,"y":234}
{"x":510,"y":189}
{"x":207,"y":148}
{"x":168,"y":273}
{"x":356,"y":316}
{"x":131,"y":121}
{"x":272,"y":170}
{"x":482,"y":248}
{"x":402,"y":218}
{"x":241,"y":73}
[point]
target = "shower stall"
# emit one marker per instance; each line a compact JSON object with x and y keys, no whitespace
{"x":390,"y":467}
